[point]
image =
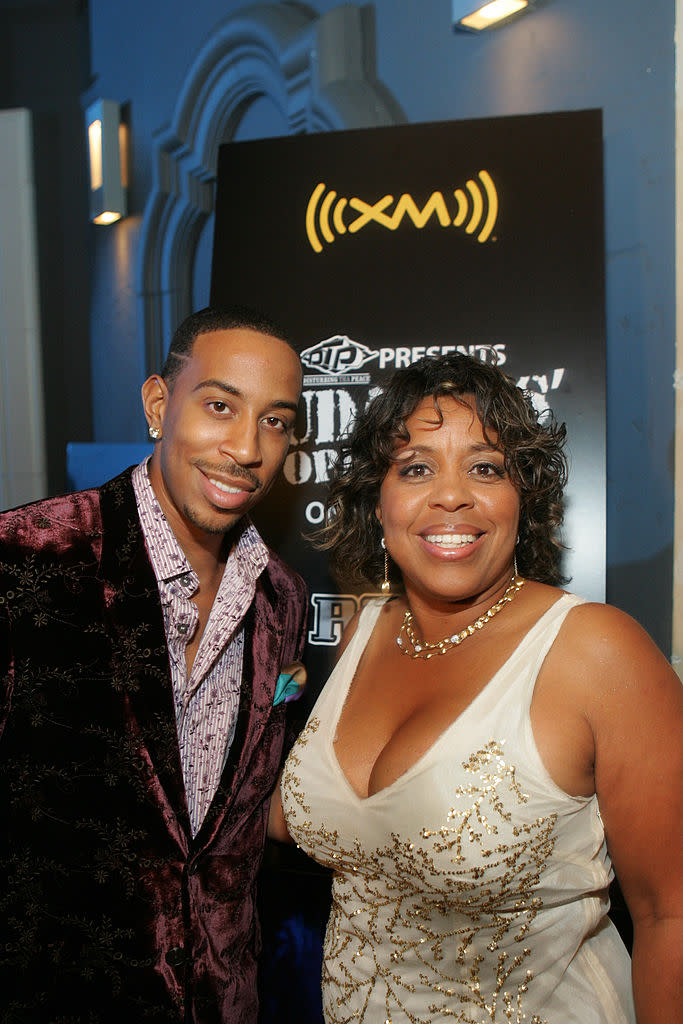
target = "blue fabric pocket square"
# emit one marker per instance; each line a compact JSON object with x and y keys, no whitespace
{"x":290,"y":683}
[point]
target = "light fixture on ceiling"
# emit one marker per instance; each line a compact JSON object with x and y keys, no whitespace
{"x":107,"y":138}
{"x":477,"y":15}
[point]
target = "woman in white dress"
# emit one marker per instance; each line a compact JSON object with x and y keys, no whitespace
{"x":488,"y":744}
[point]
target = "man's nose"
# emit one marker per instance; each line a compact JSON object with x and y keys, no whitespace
{"x":241,"y":441}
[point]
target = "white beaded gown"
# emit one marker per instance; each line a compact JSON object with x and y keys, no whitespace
{"x":472,"y":889}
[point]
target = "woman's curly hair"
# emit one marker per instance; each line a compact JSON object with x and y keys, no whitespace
{"x":534,"y":459}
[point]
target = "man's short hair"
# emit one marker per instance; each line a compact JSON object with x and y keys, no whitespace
{"x":215,"y":318}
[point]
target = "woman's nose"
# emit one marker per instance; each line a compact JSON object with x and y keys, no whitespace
{"x":451,"y":491}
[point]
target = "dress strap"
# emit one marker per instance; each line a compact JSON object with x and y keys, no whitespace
{"x":334,"y":691}
{"x":540,"y":638}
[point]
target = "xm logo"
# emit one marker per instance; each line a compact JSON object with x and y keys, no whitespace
{"x":473,"y":208}
{"x":337,"y":355}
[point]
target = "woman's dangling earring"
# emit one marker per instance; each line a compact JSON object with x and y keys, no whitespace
{"x":514,"y":559}
{"x":386,"y":585}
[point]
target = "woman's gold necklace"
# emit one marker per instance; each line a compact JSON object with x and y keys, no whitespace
{"x":414,"y":647}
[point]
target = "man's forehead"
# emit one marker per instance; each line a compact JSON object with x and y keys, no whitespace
{"x":248,"y":364}
{"x":237,"y":347}
{"x":241,"y":338}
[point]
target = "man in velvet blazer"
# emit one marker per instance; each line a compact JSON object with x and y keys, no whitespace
{"x":112,"y":907}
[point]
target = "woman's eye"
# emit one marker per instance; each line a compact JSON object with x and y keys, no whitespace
{"x":218,"y":406}
{"x":488,"y":469}
{"x":415,"y":469}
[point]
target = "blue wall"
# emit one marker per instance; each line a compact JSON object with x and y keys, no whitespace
{"x":617,"y":55}
{"x":43,"y":68}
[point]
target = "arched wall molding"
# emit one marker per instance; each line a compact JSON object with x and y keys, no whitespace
{"x":313,"y":68}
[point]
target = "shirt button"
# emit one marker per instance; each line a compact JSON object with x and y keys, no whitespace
{"x":186,"y":579}
{"x":176,"y":956}
{"x":183,"y":628}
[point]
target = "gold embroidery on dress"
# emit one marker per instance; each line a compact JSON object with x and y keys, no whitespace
{"x":291,"y":782}
{"x":415,"y":902}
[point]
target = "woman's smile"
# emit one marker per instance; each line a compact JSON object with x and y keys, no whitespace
{"x":445,"y":543}
{"x":448,"y":508}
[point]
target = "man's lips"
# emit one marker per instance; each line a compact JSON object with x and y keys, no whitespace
{"x":228,"y":488}
{"x":230,"y":474}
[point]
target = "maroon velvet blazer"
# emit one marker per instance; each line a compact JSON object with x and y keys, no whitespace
{"x":109,"y":910}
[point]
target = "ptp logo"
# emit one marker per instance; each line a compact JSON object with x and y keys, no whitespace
{"x":337,"y":355}
{"x":475,"y":208}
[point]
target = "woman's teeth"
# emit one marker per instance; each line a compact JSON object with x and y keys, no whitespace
{"x":450,"y":540}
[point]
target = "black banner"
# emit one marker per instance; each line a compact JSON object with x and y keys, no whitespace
{"x":374,"y":247}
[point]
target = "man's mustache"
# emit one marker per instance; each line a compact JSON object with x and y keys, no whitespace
{"x":231,"y":469}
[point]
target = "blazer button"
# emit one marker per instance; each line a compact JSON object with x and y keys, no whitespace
{"x":176,"y":956}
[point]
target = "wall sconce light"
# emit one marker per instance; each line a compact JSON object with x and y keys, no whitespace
{"x":108,"y":159}
{"x":476,"y":15}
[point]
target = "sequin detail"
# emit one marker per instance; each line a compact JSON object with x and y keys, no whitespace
{"x":405,"y":915}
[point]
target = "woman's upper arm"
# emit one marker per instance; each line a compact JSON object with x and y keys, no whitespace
{"x":277,"y":826}
{"x":634,"y":703}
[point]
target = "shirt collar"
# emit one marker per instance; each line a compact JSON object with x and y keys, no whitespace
{"x":249,"y":554}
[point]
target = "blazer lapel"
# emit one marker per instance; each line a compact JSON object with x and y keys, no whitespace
{"x":139,"y":651}
{"x":262,"y":653}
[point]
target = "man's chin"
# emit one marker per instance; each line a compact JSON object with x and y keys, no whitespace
{"x":215,"y":525}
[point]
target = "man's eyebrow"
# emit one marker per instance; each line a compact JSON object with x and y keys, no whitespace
{"x":212,"y":382}
{"x":229,"y":389}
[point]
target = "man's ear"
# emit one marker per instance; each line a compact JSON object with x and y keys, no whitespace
{"x":154,"y":401}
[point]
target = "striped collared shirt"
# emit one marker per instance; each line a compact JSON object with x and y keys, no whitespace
{"x":207,"y":702}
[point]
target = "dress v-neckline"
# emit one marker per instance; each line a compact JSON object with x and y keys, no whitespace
{"x":356,"y":648}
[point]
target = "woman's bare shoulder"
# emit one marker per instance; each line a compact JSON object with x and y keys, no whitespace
{"x":606,"y":648}
{"x":606,"y":625}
